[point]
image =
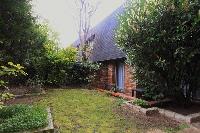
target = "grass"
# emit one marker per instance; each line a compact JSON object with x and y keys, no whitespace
{"x":85,"y":111}
{"x":88,"y":111}
{"x":174,"y":130}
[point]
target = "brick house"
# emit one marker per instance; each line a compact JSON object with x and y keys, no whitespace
{"x":114,"y":72}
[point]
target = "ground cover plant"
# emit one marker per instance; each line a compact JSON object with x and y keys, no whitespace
{"x":140,"y":102}
{"x":161,"y":40}
{"x":18,"y":118}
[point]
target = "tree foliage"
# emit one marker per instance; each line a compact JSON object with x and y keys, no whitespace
{"x":162,"y":42}
{"x":19,"y":35}
{"x":65,"y":70}
{"x":59,"y":66}
{"x":34,"y":46}
{"x":9,"y":71}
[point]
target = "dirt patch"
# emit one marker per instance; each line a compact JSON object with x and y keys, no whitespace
{"x":24,"y":100}
{"x":147,"y":122}
{"x":192,"y":109}
{"x":190,"y":130}
{"x":22,"y":90}
{"x":155,"y":131}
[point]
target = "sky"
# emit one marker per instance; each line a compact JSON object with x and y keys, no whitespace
{"x":61,"y":16}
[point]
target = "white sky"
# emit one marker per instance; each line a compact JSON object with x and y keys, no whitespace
{"x":60,"y":15}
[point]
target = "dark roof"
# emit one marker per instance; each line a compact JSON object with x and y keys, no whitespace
{"x":105,"y":47}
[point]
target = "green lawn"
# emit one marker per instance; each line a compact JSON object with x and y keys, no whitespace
{"x":87,"y":111}
{"x":84,"y":111}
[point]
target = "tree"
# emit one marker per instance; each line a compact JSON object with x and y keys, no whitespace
{"x":161,"y":40}
{"x":20,"y":38}
{"x":86,"y":11}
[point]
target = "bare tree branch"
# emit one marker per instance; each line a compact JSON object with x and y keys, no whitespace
{"x":86,"y":12}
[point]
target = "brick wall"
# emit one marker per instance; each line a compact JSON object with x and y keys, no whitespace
{"x":102,"y":76}
{"x":130,"y":84}
{"x":106,"y":77}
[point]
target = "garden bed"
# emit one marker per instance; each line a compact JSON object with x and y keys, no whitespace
{"x":147,"y":111}
{"x":117,"y":94}
{"x":25,"y":100}
{"x":192,"y":109}
{"x":49,"y":128}
{"x":191,"y":118}
{"x":167,"y":124}
{"x":31,"y":94}
{"x":189,"y":115}
{"x":25,"y":118}
{"x":24,"y":90}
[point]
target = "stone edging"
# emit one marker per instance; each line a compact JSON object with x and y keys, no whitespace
{"x":146,"y":111}
{"x":50,"y":127}
{"x":192,"y":118}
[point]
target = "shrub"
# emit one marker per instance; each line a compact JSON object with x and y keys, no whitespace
{"x":162,"y":43}
{"x":35,"y":85}
{"x":35,"y":46}
{"x":59,"y":67}
{"x":75,"y":73}
{"x":7,"y":72}
{"x":17,"y":118}
{"x":141,"y":103}
{"x":10,"y":71}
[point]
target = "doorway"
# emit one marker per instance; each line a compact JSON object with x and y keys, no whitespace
{"x":120,"y":76}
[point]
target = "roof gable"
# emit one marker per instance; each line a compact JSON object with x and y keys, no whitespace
{"x":104,"y":45}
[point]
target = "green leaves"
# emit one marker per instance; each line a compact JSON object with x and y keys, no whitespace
{"x":161,"y":40}
{"x":64,"y":68}
{"x":12,"y":69}
{"x":17,"y":29}
{"x":8,"y":72}
{"x":6,"y":96}
{"x":140,"y":102}
{"x":17,"y":118}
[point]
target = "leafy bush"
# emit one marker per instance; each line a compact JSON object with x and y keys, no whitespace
{"x":141,"y":102}
{"x":162,"y":43}
{"x":17,"y":118}
{"x":65,"y":73}
{"x":35,"y":85}
{"x":35,"y":46}
{"x":11,"y":70}
{"x":7,"y":72}
{"x":58,"y":67}
{"x":20,"y":39}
